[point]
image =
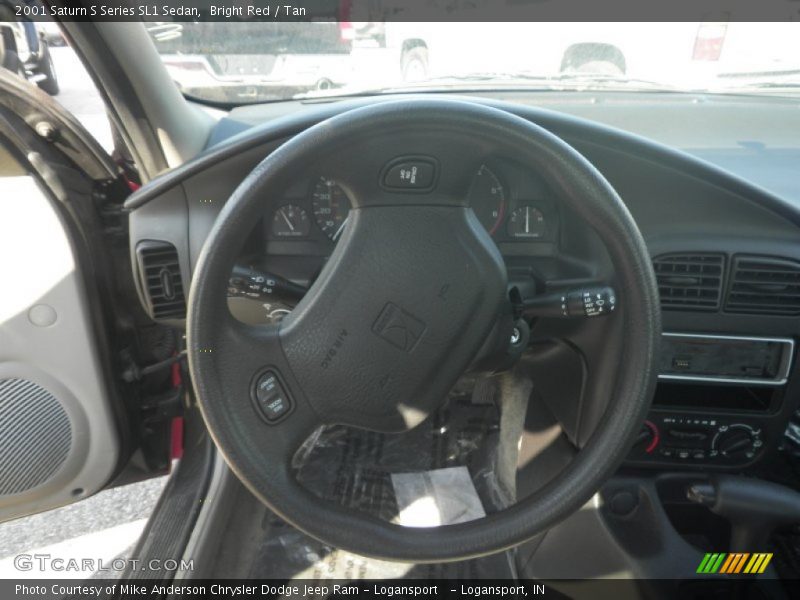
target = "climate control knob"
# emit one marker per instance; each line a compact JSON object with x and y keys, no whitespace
{"x":736,"y":441}
{"x":648,"y":437}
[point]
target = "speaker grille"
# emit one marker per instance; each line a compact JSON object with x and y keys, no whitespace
{"x":35,"y":436}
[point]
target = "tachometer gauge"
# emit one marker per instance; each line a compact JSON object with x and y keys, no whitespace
{"x":290,"y":221}
{"x":527,"y":222}
{"x":487,"y":198}
{"x":331,"y":207}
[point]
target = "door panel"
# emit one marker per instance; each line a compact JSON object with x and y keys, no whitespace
{"x":58,"y":439}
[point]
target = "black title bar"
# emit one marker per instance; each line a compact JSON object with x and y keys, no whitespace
{"x":410,"y":10}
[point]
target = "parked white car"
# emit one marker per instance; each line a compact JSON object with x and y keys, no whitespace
{"x":679,"y":54}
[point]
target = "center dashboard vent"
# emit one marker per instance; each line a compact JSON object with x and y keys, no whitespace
{"x":764,"y":285}
{"x":160,"y":276}
{"x":689,"y":281}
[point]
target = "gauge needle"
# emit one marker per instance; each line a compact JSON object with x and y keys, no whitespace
{"x":341,"y":228}
{"x":285,"y":218}
{"x":527,"y":220}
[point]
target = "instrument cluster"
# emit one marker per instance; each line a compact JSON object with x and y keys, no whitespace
{"x":510,"y":208}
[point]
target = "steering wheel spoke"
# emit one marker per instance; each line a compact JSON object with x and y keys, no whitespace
{"x":265,"y":404}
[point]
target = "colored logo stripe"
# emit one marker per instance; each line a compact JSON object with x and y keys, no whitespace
{"x":734,"y":563}
{"x":729,"y":562}
{"x":758,"y":563}
{"x":710,"y":563}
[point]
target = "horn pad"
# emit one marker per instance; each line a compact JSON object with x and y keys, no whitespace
{"x":401,"y":309}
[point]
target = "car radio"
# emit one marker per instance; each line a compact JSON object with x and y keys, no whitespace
{"x":728,"y":359}
{"x":715,"y":401}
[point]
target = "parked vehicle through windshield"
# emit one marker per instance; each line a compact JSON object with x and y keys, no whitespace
{"x":276,"y":61}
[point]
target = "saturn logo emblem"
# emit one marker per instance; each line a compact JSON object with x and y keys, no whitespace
{"x":399,"y":327}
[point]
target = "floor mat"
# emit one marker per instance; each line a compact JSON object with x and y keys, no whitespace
{"x":355,"y":468}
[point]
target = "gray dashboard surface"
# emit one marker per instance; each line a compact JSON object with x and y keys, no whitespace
{"x":754,"y":137}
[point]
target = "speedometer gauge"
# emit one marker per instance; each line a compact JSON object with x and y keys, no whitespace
{"x":487,"y":198}
{"x":331,"y":206}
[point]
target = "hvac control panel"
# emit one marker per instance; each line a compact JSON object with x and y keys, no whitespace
{"x":699,"y":439}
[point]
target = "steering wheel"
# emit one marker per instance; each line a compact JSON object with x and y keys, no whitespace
{"x":403,"y":307}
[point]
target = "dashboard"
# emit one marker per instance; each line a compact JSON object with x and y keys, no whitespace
{"x":726,"y":254}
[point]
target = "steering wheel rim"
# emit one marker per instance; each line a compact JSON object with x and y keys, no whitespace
{"x":227,"y":358}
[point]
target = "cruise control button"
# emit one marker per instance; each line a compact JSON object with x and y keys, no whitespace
{"x":266,"y":386}
{"x":275,"y":407}
{"x":271,"y":397}
{"x":411,"y":174}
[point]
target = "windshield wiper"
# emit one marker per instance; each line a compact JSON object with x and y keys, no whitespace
{"x":769,"y":85}
{"x":749,"y":75}
{"x":791,"y":86}
{"x":528,"y":81}
{"x":776,"y":79}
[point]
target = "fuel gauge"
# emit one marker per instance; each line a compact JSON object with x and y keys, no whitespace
{"x":290,"y":221}
{"x":527,"y":222}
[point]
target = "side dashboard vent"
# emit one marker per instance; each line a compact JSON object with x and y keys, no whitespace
{"x":764,"y":285}
{"x":160,"y":276}
{"x":689,"y":281}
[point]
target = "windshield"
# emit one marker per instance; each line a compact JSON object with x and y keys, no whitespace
{"x":238,"y":63}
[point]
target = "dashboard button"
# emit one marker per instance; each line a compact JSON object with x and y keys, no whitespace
{"x":410,"y":174}
{"x":271,"y":398}
{"x":275,"y":407}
